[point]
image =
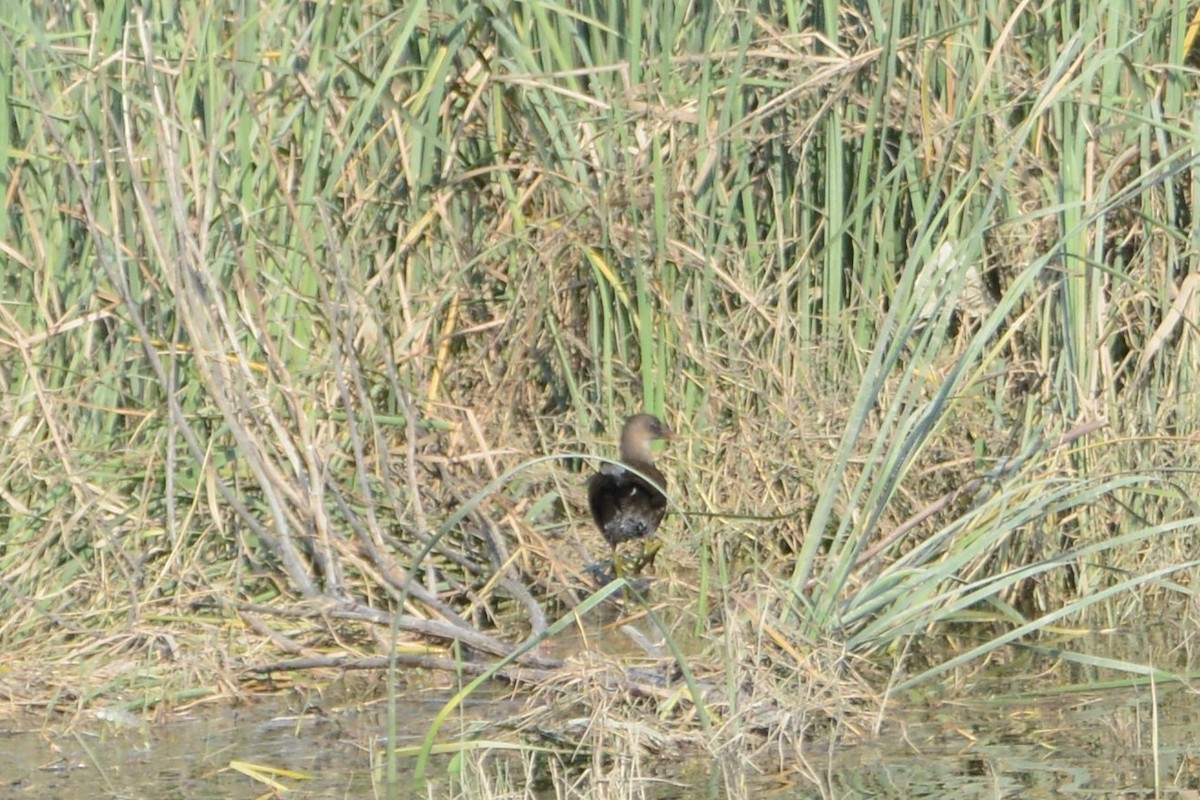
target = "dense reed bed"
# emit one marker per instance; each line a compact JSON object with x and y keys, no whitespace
{"x":313,"y":316}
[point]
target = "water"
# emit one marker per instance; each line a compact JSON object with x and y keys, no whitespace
{"x":1013,"y":736}
{"x":1117,"y":744}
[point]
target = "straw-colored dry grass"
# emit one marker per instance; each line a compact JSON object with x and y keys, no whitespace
{"x":311,"y":321}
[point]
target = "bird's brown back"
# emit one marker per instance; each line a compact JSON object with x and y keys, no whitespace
{"x":625,"y":505}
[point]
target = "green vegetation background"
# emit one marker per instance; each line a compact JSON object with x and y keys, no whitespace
{"x":296,"y":295}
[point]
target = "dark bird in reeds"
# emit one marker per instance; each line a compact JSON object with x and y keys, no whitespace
{"x":627,"y":500}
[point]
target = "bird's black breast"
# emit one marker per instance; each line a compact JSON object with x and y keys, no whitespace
{"x":624,"y":505}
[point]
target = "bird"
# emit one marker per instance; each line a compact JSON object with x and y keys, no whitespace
{"x":627,"y":500}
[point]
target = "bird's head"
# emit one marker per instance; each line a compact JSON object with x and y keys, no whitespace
{"x":639,"y":432}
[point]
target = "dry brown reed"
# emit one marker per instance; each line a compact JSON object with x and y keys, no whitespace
{"x":313,"y":325}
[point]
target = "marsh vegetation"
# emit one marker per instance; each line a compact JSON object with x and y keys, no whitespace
{"x":315,"y":318}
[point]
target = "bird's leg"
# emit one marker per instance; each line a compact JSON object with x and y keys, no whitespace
{"x":628,"y":561}
{"x":649,"y":552}
{"x":618,"y":567}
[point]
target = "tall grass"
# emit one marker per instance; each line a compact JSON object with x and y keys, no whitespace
{"x":296,"y":296}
